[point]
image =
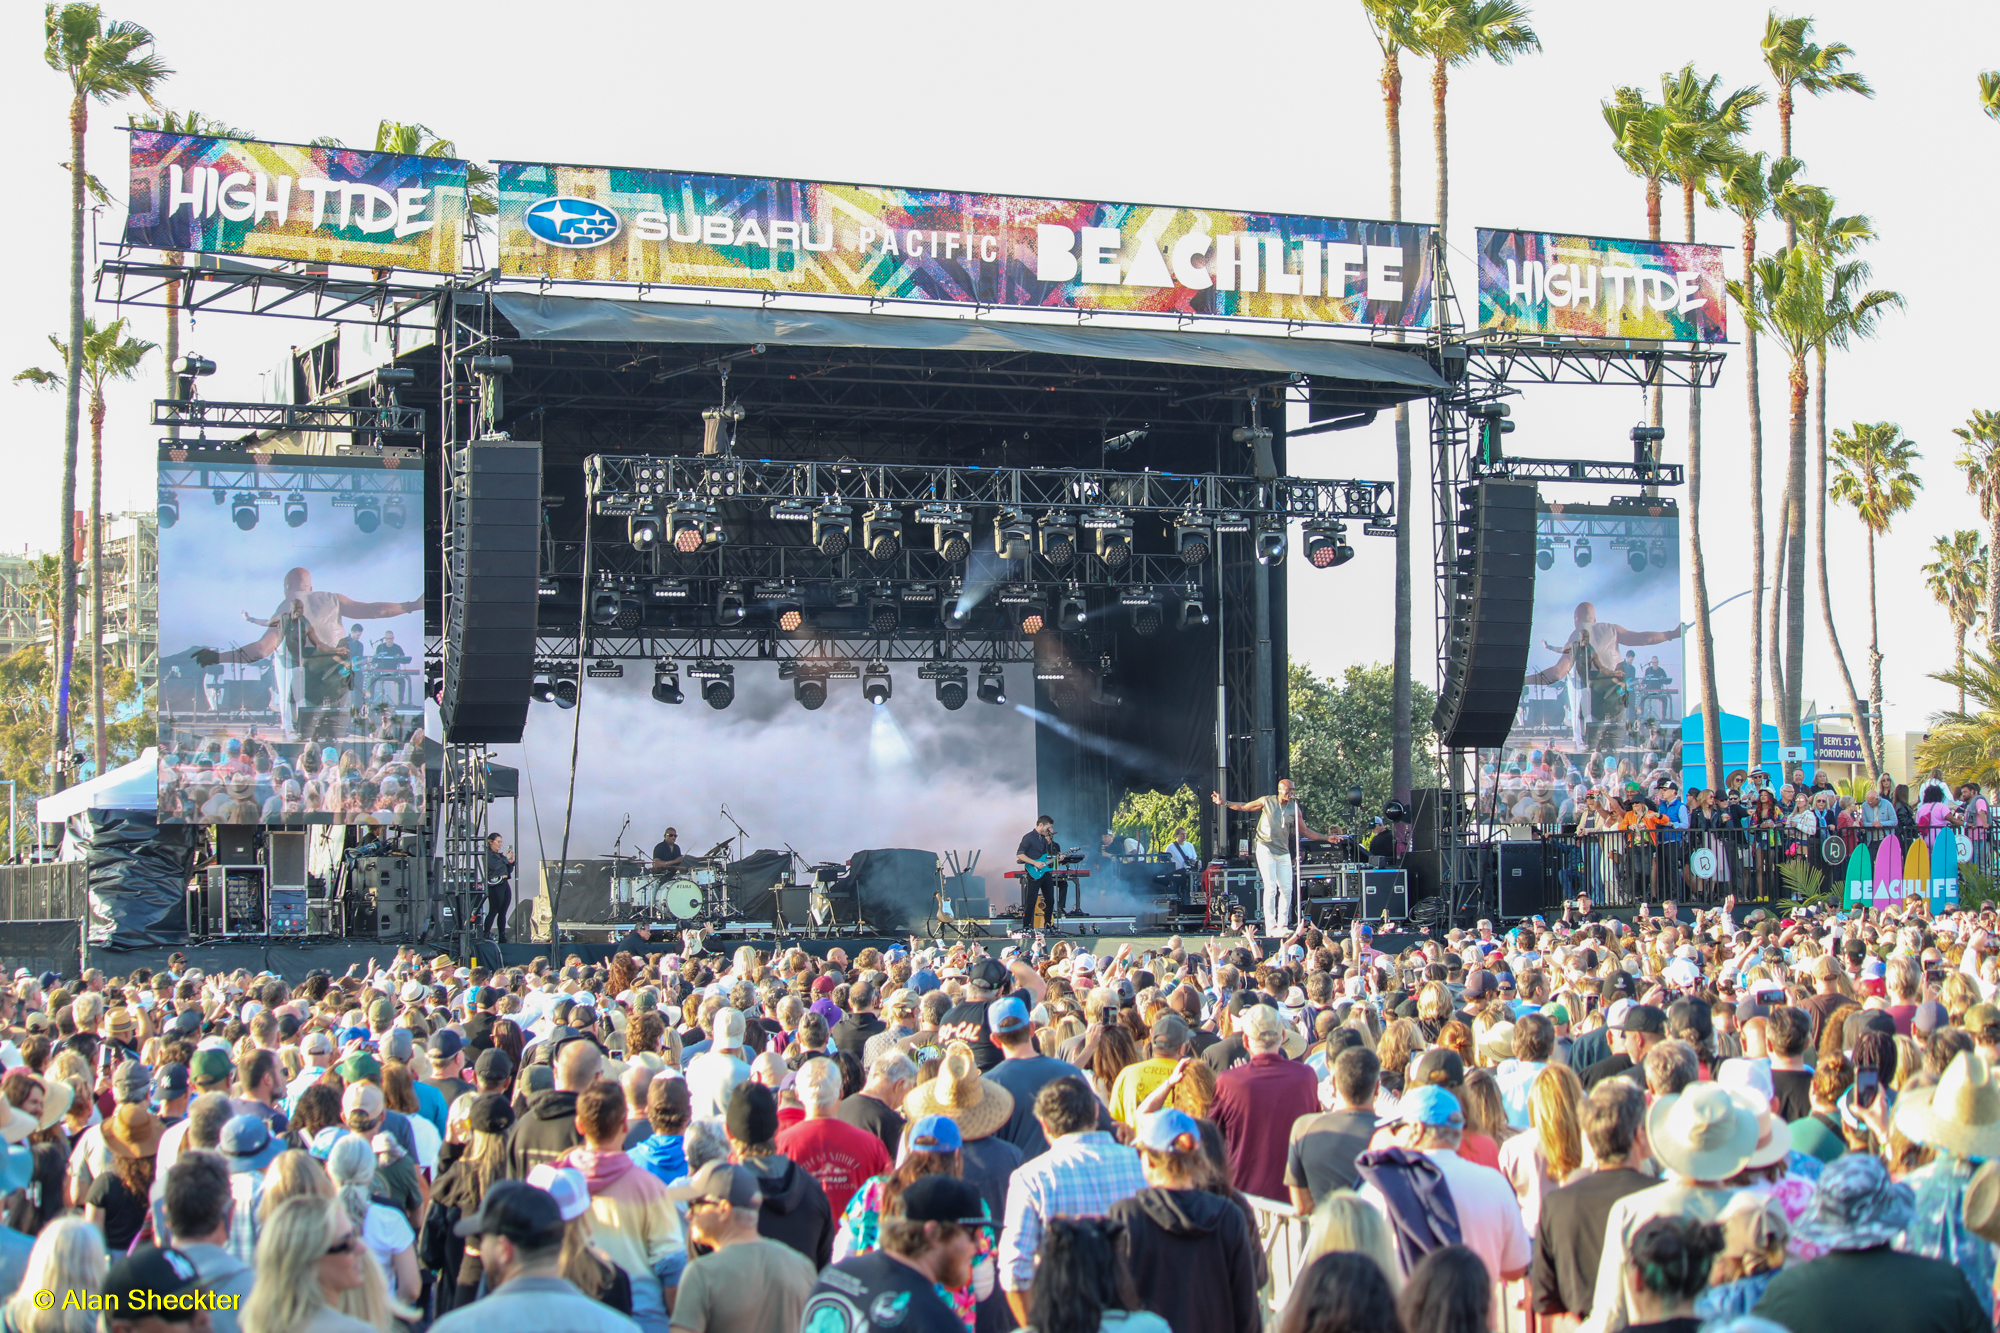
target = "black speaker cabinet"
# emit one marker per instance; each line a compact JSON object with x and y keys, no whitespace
{"x":495,"y":570}
{"x":1385,"y":891}
{"x":236,"y":844}
{"x":1492,"y":614}
{"x":1523,"y":874}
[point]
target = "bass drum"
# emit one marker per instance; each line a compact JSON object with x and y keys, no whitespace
{"x":682,"y":897}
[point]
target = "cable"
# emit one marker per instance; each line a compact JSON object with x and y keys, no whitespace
{"x":575,"y":737}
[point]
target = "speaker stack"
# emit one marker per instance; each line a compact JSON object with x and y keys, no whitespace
{"x":1492,"y":614}
{"x":489,"y":647}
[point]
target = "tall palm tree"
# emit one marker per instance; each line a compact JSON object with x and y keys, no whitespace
{"x":1391,"y":22}
{"x":1798,"y":64}
{"x":1458,"y":32}
{"x":104,"y":62}
{"x":1638,"y":133}
{"x":1979,"y":460}
{"x":1872,"y":473}
{"x":1957,"y":578}
{"x":1699,"y":141}
{"x":180,"y":122}
{"x":107,"y":355}
{"x":1748,"y":186}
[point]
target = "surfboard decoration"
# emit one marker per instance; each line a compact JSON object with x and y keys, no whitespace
{"x":1859,"y":888}
{"x":1944,"y":872}
{"x":1917,"y":870}
{"x":1888,"y":872}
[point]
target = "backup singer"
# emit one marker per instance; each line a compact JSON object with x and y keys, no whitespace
{"x":1279,"y":826}
{"x":667,"y":854}
{"x":1039,"y":848}
{"x":499,"y":888}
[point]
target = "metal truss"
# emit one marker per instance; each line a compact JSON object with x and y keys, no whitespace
{"x":1582,"y":469}
{"x":462,"y":838}
{"x":217,"y":284}
{"x":1511,"y":358}
{"x":624,"y":485}
{"x":237,"y":472}
{"x":334,"y":418}
{"x":557,"y":653}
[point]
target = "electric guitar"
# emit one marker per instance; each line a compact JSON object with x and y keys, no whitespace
{"x":1041,"y":866}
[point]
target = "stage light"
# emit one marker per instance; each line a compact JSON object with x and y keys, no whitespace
{"x":1114,"y":536}
{"x":631,"y":611}
{"x":243,"y":512}
{"x":1271,"y":544}
{"x":809,"y":687}
{"x":1072,"y":611}
{"x":1193,"y":539}
{"x":547,"y":589}
{"x":170,"y":508}
{"x":667,"y":683}
{"x":604,"y":606}
{"x":832,"y":529}
{"x":882,"y":532}
{"x":667,"y":590}
{"x":846,"y":596}
{"x":730,"y":607}
{"x":683,"y":528}
{"x":367,"y":513}
{"x":1545,"y":554}
{"x":949,"y":679}
{"x":951,"y":530}
{"x":1013,"y":535}
{"x":1326,"y":544}
{"x":392,"y":513}
{"x":1032,"y":616}
{"x":1057,"y":538}
{"x":1194,"y":613}
{"x":956,"y":614}
{"x":791,"y":619}
{"x":1144,"y":604}
{"x":295,"y":510}
{"x":1107,"y":691}
{"x":643,"y":531}
{"x":565,"y":687}
{"x":792,"y":511}
{"x":718,"y":682}
{"x":1662,"y":554}
{"x":1581,"y":552}
{"x":1636,"y":558}
{"x":875,"y":686}
{"x":883,"y":614}
{"x":992,"y":684}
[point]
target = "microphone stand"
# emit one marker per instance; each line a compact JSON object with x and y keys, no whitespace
{"x":742,"y":850}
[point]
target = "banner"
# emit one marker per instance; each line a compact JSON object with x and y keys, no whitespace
{"x":611,"y":224}
{"x":1590,"y":287}
{"x":291,"y":640}
{"x":1606,"y":686}
{"x":290,"y":201}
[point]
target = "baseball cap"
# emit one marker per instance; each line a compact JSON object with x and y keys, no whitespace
{"x":398,"y":1044}
{"x":210,"y":1066}
{"x":1007,"y":1015}
{"x":317,"y":1043}
{"x":1439,"y":1065}
{"x":1170,"y":1033}
{"x":1647,"y":1018}
{"x":493,"y":1065}
{"x":988,"y":972}
{"x":720,"y":1182}
{"x":1930,"y":1016}
{"x":1430,"y":1105}
{"x":445,"y":1043}
{"x":565,"y":1185}
{"x":133,"y":1082}
{"x":946,"y":1199}
{"x":143,"y":1279}
{"x":824,"y":985}
{"x":1162,"y":1131}
{"x":381,"y":1013}
{"x":363,"y":1097}
{"x":1479,"y":984}
{"x":519,"y":1211}
{"x":246,"y":1141}
{"x":936,"y":1133}
{"x":170,"y":1082}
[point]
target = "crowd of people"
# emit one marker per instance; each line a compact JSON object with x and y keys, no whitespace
{"x":247,"y":780}
{"x":1663,"y":1124}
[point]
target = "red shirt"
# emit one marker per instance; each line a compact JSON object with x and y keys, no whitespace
{"x":1255,"y":1105}
{"x":840,"y":1156}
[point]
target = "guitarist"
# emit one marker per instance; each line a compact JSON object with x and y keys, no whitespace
{"x":1037,"y":858}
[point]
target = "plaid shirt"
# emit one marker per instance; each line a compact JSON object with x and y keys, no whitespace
{"x":1081,"y":1175}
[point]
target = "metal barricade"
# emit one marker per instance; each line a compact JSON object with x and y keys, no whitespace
{"x":1282,"y":1235}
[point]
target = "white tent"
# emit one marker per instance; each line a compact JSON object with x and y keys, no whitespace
{"x":133,"y":786}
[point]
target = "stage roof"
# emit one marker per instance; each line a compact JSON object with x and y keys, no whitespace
{"x":1396,"y":374}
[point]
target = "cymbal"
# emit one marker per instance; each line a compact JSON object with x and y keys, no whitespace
{"x":717,"y":850}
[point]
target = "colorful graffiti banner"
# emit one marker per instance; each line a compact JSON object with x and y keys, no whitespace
{"x":191,"y":192}
{"x":611,"y":224}
{"x":1591,"y":287}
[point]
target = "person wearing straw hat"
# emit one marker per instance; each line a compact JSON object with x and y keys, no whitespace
{"x":1701,"y":1137}
{"x":1863,"y":1284}
{"x":1959,"y":1119}
{"x":981,"y":1108}
{"x":116,"y":1200}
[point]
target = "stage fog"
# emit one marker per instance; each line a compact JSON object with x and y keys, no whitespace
{"x":828,"y":783}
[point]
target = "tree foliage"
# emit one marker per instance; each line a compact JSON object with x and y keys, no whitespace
{"x":1340,"y":738}
{"x":1152,"y":816}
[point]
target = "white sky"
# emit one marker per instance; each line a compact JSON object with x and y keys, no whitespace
{"x":1264,"y":105}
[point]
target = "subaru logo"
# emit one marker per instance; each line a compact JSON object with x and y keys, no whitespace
{"x":572,"y":223}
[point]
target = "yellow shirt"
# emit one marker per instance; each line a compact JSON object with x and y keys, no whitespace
{"x":1135,"y":1084}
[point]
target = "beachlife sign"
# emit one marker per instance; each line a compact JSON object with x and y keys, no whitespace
{"x":297,"y":202}
{"x":612,"y":224}
{"x":1592,"y":287}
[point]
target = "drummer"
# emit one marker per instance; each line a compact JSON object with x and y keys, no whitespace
{"x":667,"y":856}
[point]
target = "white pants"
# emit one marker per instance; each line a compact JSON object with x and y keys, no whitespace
{"x":1275,"y":869}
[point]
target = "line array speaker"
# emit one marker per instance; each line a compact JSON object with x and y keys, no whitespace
{"x":1492,"y":614}
{"x":489,"y":646}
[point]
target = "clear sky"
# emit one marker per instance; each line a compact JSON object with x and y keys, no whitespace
{"x":1262,"y":105}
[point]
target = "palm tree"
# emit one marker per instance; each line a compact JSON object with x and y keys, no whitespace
{"x":1748,"y":186}
{"x":1638,"y":133}
{"x":1966,"y":744}
{"x":1798,"y":64}
{"x":1698,"y":142}
{"x":1989,"y":92}
{"x":1957,"y":578}
{"x":1872,"y":473}
{"x":1458,"y":32}
{"x":1980,"y":461}
{"x":1391,"y":22}
{"x":103,"y":62}
{"x":107,"y":355}
{"x":181,"y":122}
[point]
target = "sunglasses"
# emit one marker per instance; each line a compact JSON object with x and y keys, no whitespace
{"x":346,"y":1246}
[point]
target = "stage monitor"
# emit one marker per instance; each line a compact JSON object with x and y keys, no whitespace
{"x":291,"y":639}
{"x":1607,"y":684}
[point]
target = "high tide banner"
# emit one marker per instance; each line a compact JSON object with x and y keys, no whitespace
{"x":620,"y":225}
{"x":192,"y":192}
{"x":1595,"y":287}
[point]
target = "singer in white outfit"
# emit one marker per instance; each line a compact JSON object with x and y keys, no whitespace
{"x":1279,"y":827}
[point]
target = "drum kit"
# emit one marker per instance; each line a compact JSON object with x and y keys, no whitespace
{"x":697,"y":891}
